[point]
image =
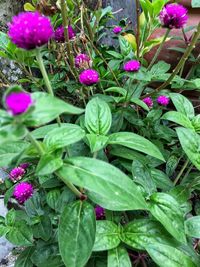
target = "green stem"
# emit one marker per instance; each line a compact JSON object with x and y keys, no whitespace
{"x":36,"y":144}
{"x":181,"y":171}
{"x":159,"y":49}
{"x":186,"y":174}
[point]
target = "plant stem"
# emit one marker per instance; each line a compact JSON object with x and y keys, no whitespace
{"x":181,"y":171}
{"x":36,"y":144}
{"x":159,"y":49}
{"x":186,"y":174}
{"x":138,"y":28}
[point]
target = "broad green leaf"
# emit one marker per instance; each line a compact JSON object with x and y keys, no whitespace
{"x":41,"y":132}
{"x":167,"y":256}
{"x":29,"y":7}
{"x":190,"y":142}
{"x":136,"y":142}
{"x":3,"y":230}
{"x":178,"y":118}
{"x":96,"y":142}
{"x":139,"y":102}
{"x":161,"y":180}
{"x":141,"y":232}
{"x":183,"y":105}
{"x":192,"y":226}
{"x":196,"y":123}
{"x":52,"y":198}
{"x":48,"y":164}
{"x":52,"y":261}
{"x":76,"y":233}
{"x":47,"y":108}
{"x":24,"y":259}
{"x":107,"y":185}
{"x":43,"y":229}
{"x":12,"y":133}
{"x":98,"y":117}
{"x":63,"y":136}
{"x":45,"y":252}
{"x":168,"y":212}
{"x":107,"y":236}
{"x":118,"y":257}
{"x":171,"y":165}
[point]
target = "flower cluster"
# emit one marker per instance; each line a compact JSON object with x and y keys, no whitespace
{"x":59,"y":34}
{"x":22,"y":192}
{"x":132,"y":66}
{"x":161,"y":100}
{"x":89,"y":77}
{"x":16,"y":174}
{"x":100,"y":213}
{"x":82,"y":61}
{"x":117,"y":29}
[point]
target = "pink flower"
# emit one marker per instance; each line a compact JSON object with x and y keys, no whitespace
{"x":18,"y":102}
{"x":22,"y":192}
{"x":89,"y":77}
{"x":148,"y":101}
{"x":173,"y":16}
{"x":24,"y":165}
{"x":100,"y":213}
{"x":16,"y":174}
{"x":29,"y":30}
{"x":132,"y":66}
{"x":117,"y":29}
{"x":163,"y":100}
{"x":60,"y":36}
{"x":82,"y":60}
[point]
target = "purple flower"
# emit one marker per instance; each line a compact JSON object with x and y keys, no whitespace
{"x":22,"y":192}
{"x":16,"y":174}
{"x":173,"y":16}
{"x":82,"y":60}
{"x":148,"y":101}
{"x":163,"y":100}
{"x":100,"y":213}
{"x":24,"y":165}
{"x":132,"y":66}
{"x":117,"y":29}
{"x":60,"y":36}
{"x":89,"y":77}
{"x":29,"y":30}
{"x":18,"y":102}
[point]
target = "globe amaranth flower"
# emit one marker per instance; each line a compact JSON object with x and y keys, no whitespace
{"x":89,"y":77}
{"x":29,"y":30}
{"x":16,"y":174}
{"x":100,"y":213}
{"x":59,"y":34}
{"x":173,"y":16}
{"x":148,"y":101}
{"x":117,"y":29}
{"x":24,"y":165}
{"x":18,"y":102}
{"x":163,"y":100}
{"x":82,"y":61}
{"x":132,"y":66}
{"x":22,"y":192}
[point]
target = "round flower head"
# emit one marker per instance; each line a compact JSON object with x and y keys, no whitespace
{"x":16,"y":174}
{"x":24,"y":165}
{"x":173,"y":16}
{"x":89,"y":77}
{"x":163,"y":100}
{"x":60,"y":35}
{"x":100,"y":213}
{"x":117,"y":29}
{"x":82,"y":60}
{"x":148,"y":101}
{"x":29,"y":30}
{"x":132,"y":66}
{"x":22,"y":192}
{"x":18,"y":102}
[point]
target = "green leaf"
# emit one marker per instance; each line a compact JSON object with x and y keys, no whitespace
{"x":41,"y":132}
{"x":52,"y":198}
{"x":125,"y":46}
{"x":29,"y":7}
{"x":63,"y":136}
{"x":183,"y":105}
{"x":96,"y":142}
{"x":192,"y":226}
{"x":52,"y":261}
{"x":107,"y":236}
{"x":195,"y":3}
{"x":98,"y":117}
{"x":178,"y":118}
{"x":161,"y":180}
{"x":76,"y":233}
{"x":24,"y":259}
{"x":166,"y":256}
{"x":118,"y":257}
{"x":47,"y":108}
{"x":168,"y":211}
{"x":43,"y":229}
{"x":107,"y":185}
{"x":3,"y":230}
{"x":135,"y":142}
{"x":48,"y":164}
{"x":190,"y":142}
{"x":139,"y":102}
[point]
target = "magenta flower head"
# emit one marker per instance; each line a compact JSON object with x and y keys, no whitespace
{"x":24,"y":165}
{"x":132,"y":66}
{"x":60,"y":36}
{"x":148,"y":101}
{"x":29,"y":30}
{"x":16,"y":174}
{"x":89,"y":77}
{"x":117,"y":29}
{"x":163,"y":100}
{"x":22,"y":192}
{"x":173,"y":16}
{"x":100,"y":213}
{"x":18,"y":102}
{"x":82,"y":61}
